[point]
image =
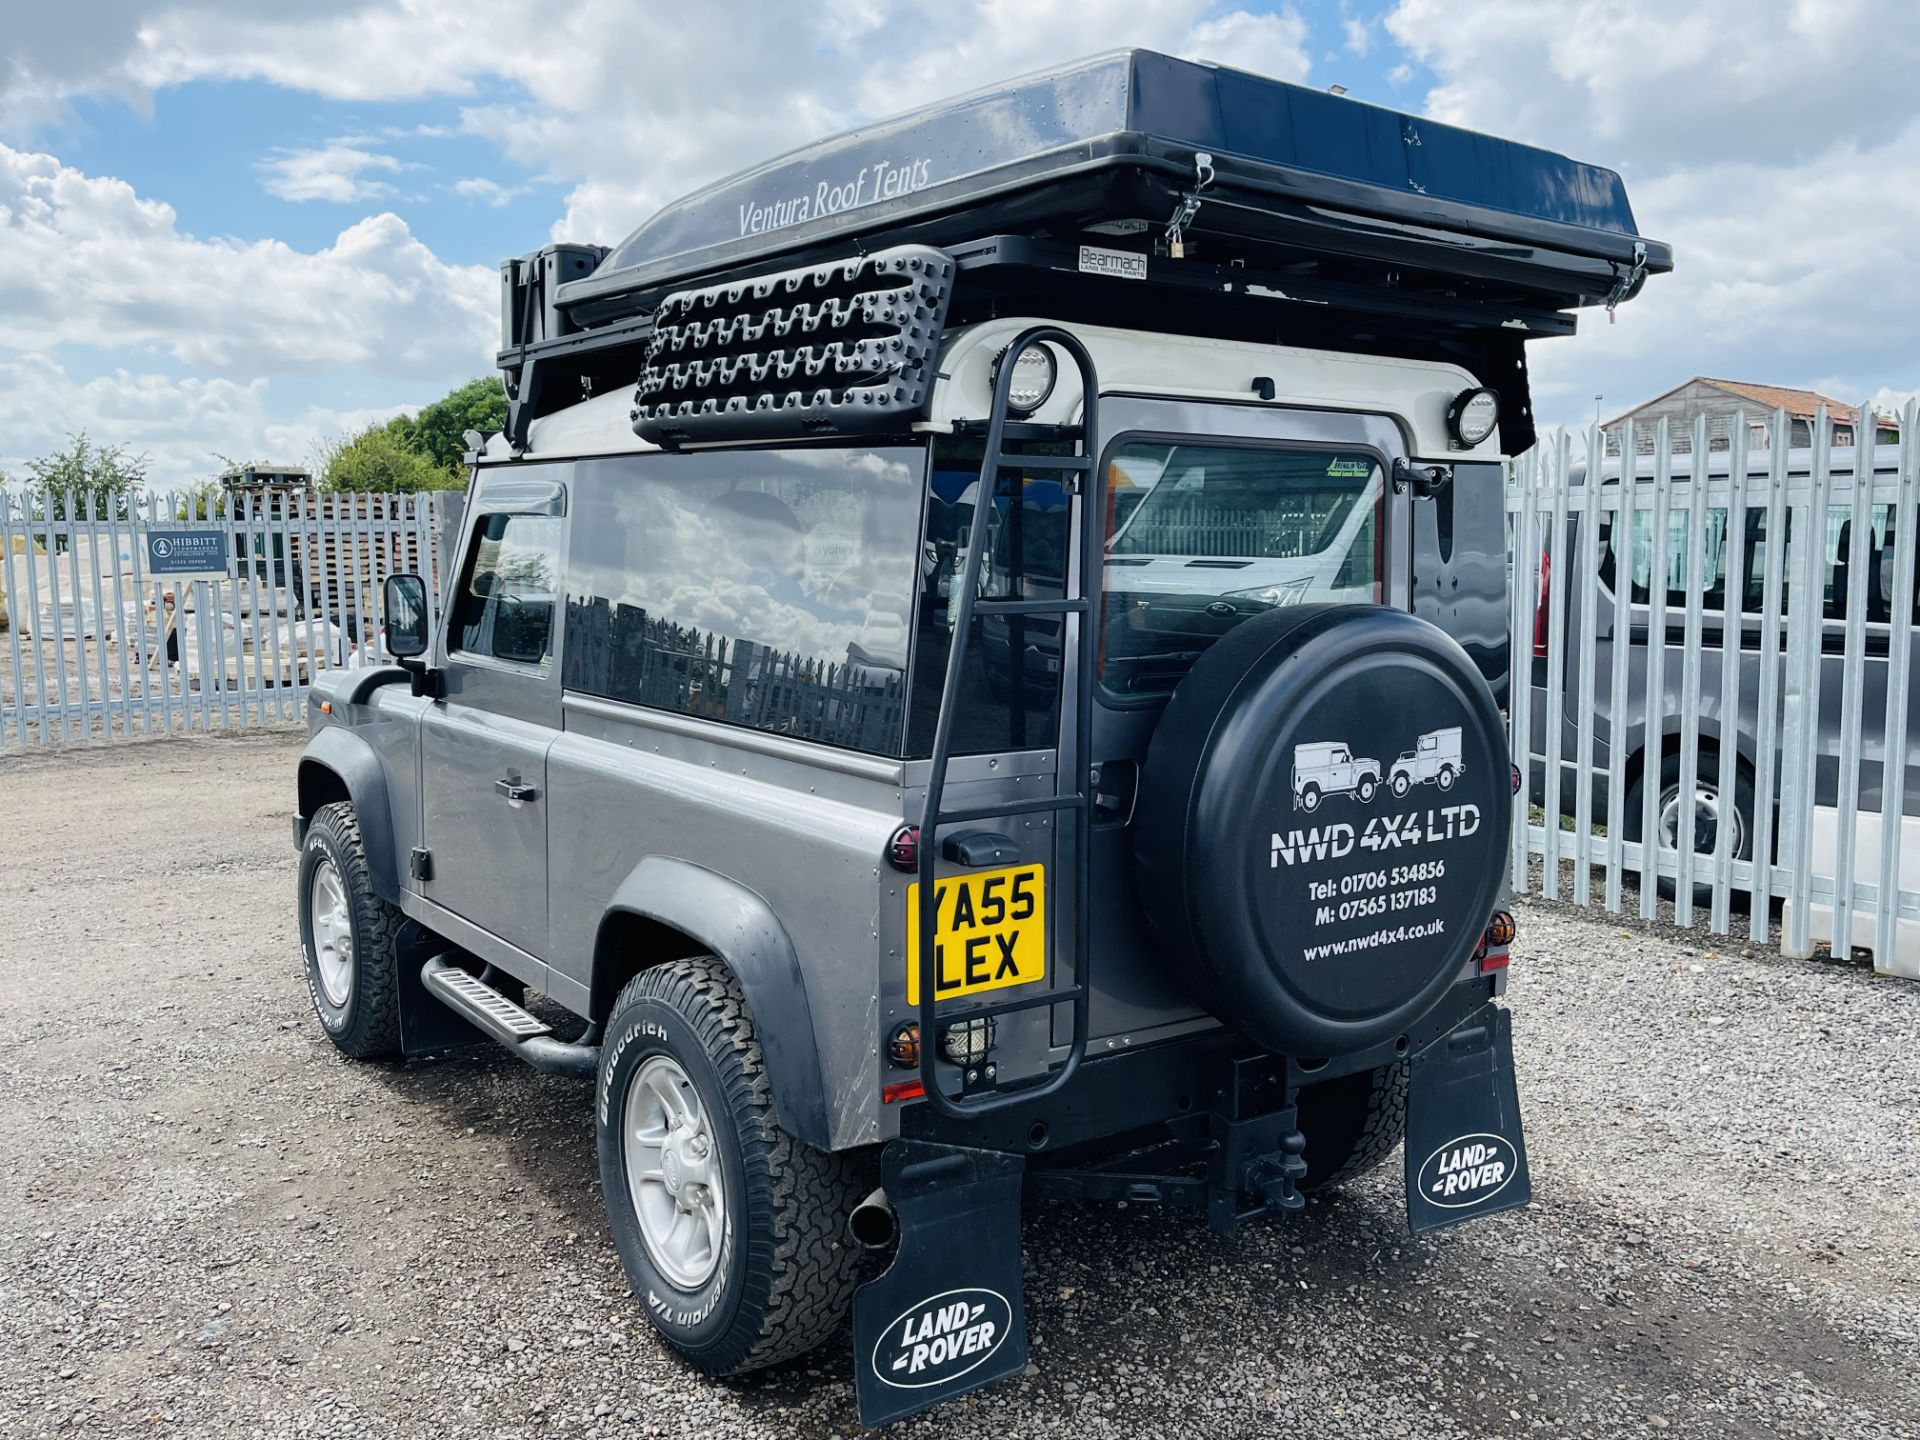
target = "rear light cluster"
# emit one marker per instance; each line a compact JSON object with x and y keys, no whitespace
{"x":1492,"y":954}
{"x":903,"y":850}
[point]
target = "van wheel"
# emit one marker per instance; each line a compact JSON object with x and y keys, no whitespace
{"x":1352,"y":1124}
{"x":1401,"y":784}
{"x":1446,"y":777}
{"x":1710,"y":812}
{"x":1368,"y":785}
{"x":732,"y":1233}
{"x":348,"y":938}
{"x":1310,"y":797}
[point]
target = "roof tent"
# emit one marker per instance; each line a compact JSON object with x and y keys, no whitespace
{"x":1073,"y":185}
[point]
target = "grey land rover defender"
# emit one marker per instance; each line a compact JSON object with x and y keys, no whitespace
{"x":933,"y":677}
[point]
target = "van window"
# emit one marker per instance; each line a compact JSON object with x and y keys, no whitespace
{"x":1716,"y":556}
{"x":504,"y":608}
{"x":1202,"y":535}
{"x":767,"y":588}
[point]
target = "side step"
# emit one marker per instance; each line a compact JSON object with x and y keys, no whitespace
{"x":498,"y":1018}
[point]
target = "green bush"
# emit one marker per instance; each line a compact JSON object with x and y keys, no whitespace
{"x":379,"y":460}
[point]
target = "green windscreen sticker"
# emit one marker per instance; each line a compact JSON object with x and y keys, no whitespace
{"x":1350,"y":467}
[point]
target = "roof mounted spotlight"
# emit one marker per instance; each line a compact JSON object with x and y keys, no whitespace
{"x":1472,"y":416}
{"x":1034,"y":374}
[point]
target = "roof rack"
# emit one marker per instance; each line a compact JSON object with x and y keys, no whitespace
{"x":1133,"y":189}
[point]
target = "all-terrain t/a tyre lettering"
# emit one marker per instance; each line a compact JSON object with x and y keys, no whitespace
{"x":783,"y":1278}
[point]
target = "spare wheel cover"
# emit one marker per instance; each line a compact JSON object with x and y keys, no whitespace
{"x":1311,"y":906}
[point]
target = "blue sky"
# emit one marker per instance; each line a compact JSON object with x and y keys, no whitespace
{"x":228,"y":230}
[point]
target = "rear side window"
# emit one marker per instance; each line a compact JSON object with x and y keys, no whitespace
{"x":767,"y":588}
{"x":504,"y":609}
{"x":1201,"y":536}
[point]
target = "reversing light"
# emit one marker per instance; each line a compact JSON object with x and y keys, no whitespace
{"x":903,"y":1046}
{"x":967,"y":1042}
{"x":1472,"y":416}
{"x":903,"y":850}
{"x":1033,"y":376}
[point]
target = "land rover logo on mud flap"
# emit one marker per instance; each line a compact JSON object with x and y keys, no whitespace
{"x":942,"y":1338}
{"x":1467,"y":1170}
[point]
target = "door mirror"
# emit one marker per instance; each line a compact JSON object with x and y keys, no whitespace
{"x":404,"y":606}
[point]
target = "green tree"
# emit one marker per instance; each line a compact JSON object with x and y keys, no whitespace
{"x":203,"y":501}
{"x":439,"y":430}
{"x":379,"y":460}
{"x":105,"y":475}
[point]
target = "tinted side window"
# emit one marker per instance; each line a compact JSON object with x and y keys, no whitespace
{"x":1009,"y":695}
{"x":504,"y":608}
{"x":766,"y":588}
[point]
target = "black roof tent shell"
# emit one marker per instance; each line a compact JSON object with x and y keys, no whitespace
{"x":1116,"y":139}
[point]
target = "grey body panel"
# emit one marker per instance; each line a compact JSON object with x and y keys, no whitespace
{"x":650,"y":815}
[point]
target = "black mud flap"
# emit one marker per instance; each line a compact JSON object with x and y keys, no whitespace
{"x":1466,"y":1156}
{"x":426,"y":1025}
{"x":947,"y":1317}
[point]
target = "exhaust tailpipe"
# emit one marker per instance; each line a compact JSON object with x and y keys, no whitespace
{"x":873,"y":1225}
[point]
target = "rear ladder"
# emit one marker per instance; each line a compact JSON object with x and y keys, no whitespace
{"x":1072,"y":793}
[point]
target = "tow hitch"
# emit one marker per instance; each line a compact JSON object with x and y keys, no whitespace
{"x":1242,"y":1160}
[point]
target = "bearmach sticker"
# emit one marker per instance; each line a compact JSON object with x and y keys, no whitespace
{"x":1116,"y":264}
{"x":1349,"y":467}
{"x":990,"y":932}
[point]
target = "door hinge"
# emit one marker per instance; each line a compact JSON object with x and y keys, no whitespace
{"x":422,"y":864}
{"x":1426,"y":480}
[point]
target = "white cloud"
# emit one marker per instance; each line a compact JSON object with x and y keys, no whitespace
{"x":84,"y":259}
{"x":725,"y":87}
{"x":490,"y":192}
{"x":1775,"y":145}
{"x":187,"y":428}
{"x":1358,"y":35}
{"x":1649,"y":85}
{"x":337,"y":171}
{"x":1794,"y":275}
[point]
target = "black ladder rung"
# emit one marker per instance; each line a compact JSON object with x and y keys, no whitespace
{"x":987,"y":605}
{"x":1080,"y":463}
{"x":1010,"y":1007}
{"x":1037,"y":805}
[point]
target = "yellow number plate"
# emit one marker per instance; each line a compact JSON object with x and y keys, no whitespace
{"x":991,"y":931}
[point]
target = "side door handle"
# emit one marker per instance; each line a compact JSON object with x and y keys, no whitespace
{"x":514,"y":790}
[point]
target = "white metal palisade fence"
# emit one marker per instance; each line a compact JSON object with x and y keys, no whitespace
{"x":97,"y":646}
{"x":1775,"y":678}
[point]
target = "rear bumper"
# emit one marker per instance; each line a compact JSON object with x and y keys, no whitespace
{"x":1118,"y":1096}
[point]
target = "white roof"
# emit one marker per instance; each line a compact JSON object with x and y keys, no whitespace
{"x":1414,"y":393}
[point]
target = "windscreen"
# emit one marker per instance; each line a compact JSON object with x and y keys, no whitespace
{"x":1202,"y":535}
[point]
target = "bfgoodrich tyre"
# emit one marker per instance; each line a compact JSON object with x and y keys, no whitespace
{"x":349,"y":938}
{"x":732,"y":1232}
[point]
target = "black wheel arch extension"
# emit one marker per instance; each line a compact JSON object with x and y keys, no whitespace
{"x":669,"y":909}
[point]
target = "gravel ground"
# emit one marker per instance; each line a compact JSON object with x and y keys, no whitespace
{"x":213,"y":1225}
